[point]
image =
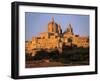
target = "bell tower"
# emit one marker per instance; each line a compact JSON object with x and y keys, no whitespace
{"x":69,"y":29}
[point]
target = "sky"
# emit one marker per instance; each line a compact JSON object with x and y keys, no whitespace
{"x":38,"y":22}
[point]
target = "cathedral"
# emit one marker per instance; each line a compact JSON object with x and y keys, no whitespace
{"x":54,"y":38}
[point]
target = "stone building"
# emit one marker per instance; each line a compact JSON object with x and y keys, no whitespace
{"x":54,"y":38}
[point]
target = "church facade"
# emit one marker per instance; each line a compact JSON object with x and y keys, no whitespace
{"x":54,"y":38}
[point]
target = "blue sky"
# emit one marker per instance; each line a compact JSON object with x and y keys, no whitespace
{"x":37,"y":22}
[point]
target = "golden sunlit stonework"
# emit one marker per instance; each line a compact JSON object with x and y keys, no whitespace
{"x":54,"y":38}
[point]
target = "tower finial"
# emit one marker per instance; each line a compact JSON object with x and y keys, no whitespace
{"x":52,"y":19}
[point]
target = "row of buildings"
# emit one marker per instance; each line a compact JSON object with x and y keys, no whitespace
{"x":54,"y":38}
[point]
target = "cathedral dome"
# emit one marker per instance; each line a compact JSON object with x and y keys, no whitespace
{"x":53,"y":27}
